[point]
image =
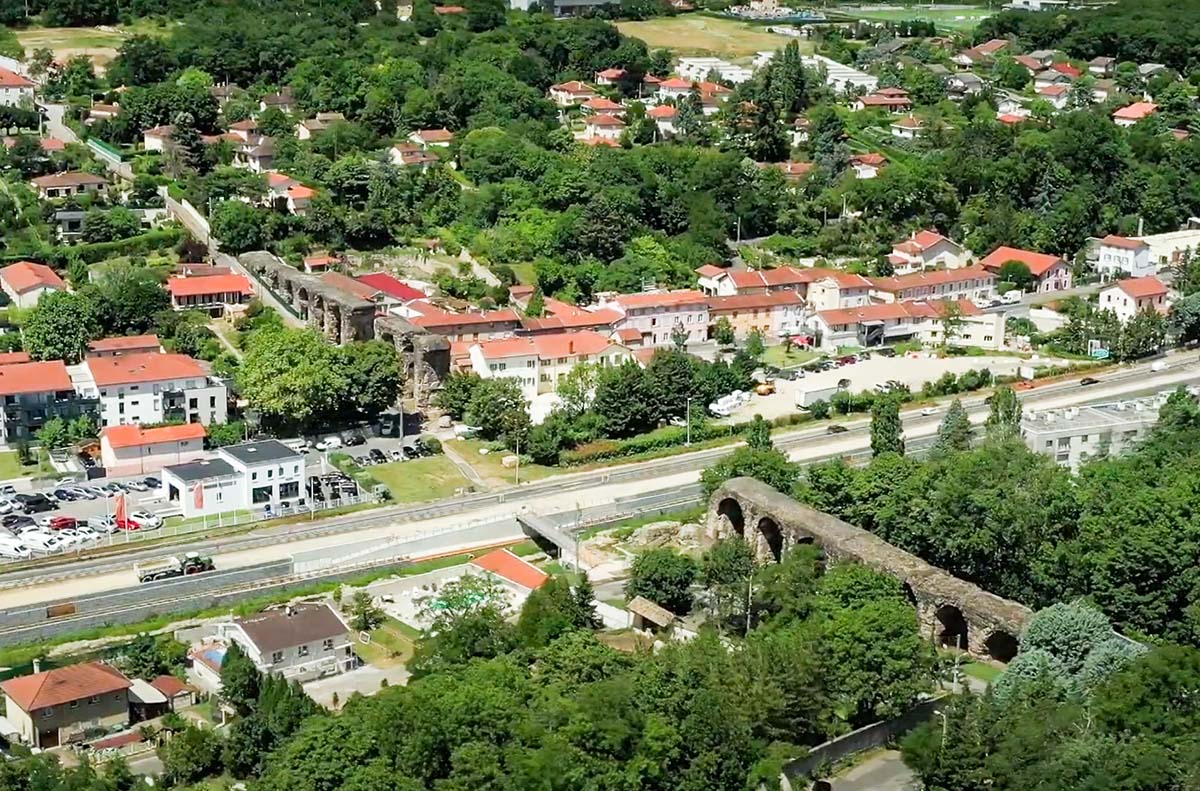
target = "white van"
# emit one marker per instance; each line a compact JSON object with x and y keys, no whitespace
{"x":11,"y":547}
{"x":1012,"y":297}
{"x":42,"y":542}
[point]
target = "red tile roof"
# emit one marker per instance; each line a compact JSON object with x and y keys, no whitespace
{"x":844,"y":279}
{"x":754,"y":301}
{"x":1038,"y":263}
{"x":10,"y":79}
{"x":909,"y":123}
{"x":321,"y":260}
{"x":895,"y":310}
{"x":936,"y":277}
{"x":546,"y":347}
{"x":869,"y":159}
{"x":676,"y":83}
{"x":301,"y":192}
{"x":921,"y":241}
{"x":170,"y":686}
{"x":137,"y":368}
{"x":1067,"y":69}
{"x":25,"y":276}
{"x":709,"y":270}
{"x":280,"y":180}
{"x":795,"y":169}
{"x":63,"y":685}
{"x":1033,"y":64}
{"x":662,"y":112}
{"x":436,"y":317}
{"x":383,"y":282}
{"x":876,"y":100}
{"x":574,"y":86}
{"x":603,"y":103}
{"x":506,"y":565}
{"x":1141,"y":287}
{"x":449,"y":9}
{"x":442,"y":135}
{"x":1054,"y":90}
{"x":126,"y":343}
{"x":629,"y":335}
{"x":604,"y":120}
{"x":611,"y":74}
{"x":11,"y":358}
{"x":209,"y":284}
{"x":993,"y":46}
{"x":72,"y":178}
{"x":42,"y":377}
{"x":1011,"y":118}
{"x":562,"y":316}
{"x":133,"y":436}
{"x":660,"y":299}
{"x":1124,"y":242}
{"x":1136,"y":111}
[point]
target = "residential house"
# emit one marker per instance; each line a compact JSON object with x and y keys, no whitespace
{"x":960,"y":86}
{"x":602,"y":105}
{"x":1119,"y":254}
{"x":603,"y":127}
{"x":102,"y":112}
{"x":538,"y":362}
{"x":282,"y":101}
{"x":659,"y":315}
{"x":1056,"y":95}
{"x":891,"y":103}
{"x":611,"y":76}
{"x":972,"y":58}
{"x":223,"y":93}
{"x":133,"y":450}
{"x":569,"y":94}
{"x":321,"y":262}
{"x":427,"y":138}
{"x":1104,"y":89}
{"x":263,"y":476}
{"x":1102,"y":66}
{"x":867,"y":166}
{"x":65,"y":185}
{"x":1148,"y":70}
{"x":25,"y":282}
{"x":1074,"y":435}
{"x":125,"y":344}
{"x":836,"y":289}
{"x":245,"y":130}
{"x":664,"y":117}
{"x":49,"y":145}
{"x":1129,"y":297}
{"x":973,"y":282}
{"x":472,"y":326}
{"x":1050,"y":272}
{"x":158,"y":138}
{"x":674,"y":89}
{"x":66,"y":704}
{"x":33,"y":393}
{"x":1072,"y":72}
{"x":300,"y":641}
{"x":311,"y":127}
{"x":1131,"y":114}
{"x":800,"y":131}
{"x":718,"y":282}
{"x":793,"y":172}
{"x":152,"y":388}
{"x":1045,"y":79}
{"x":388,"y":290}
{"x":15,"y":90}
{"x":841,"y":77}
{"x":12,"y":358}
{"x":898,"y":322}
{"x":214,"y":294}
{"x":560,"y":317}
{"x":908,"y":128}
{"x":774,"y":315}
{"x":412,"y":155}
{"x":257,"y":157}
{"x":927,"y":249}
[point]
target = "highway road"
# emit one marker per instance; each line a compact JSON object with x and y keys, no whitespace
{"x":62,"y":579}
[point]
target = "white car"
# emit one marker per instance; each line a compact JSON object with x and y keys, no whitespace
{"x":42,"y":542}
{"x":5,"y":506}
{"x":102,"y":524}
{"x":329,"y":443}
{"x":137,"y":486}
{"x":12,"y":548}
{"x":146,"y":520}
{"x":69,"y":538}
{"x":929,"y":410}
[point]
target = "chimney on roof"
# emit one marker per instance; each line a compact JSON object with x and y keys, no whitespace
{"x":571,"y":346}
{"x":37,"y":666}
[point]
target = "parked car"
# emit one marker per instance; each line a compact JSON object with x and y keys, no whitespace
{"x":410,"y":452}
{"x":377,"y":456}
{"x":137,"y":486}
{"x":113,"y":488}
{"x":1088,"y":380}
{"x":42,"y":542}
{"x":15,"y":522}
{"x":929,"y":410}
{"x":836,"y":429}
{"x":886,"y":351}
{"x":35,"y":503}
{"x":12,"y":548}
{"x":57,"y":522}
{"x":146,"y":520}
{"x":355,"y":439}
{"x":64,"y":495}
{"x":329,"y":443}
{"x":849,"y":359}
{"x":8,"y":490}
{"x":6,"y":506}
{"x":103,"y":524}
{"x":82,"y":493}
{"x":395,"y":454}
{"x":152,"y":482}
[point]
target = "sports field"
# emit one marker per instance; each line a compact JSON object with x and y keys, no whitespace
{"x":944,"y":17}
{"x":694,"y":34}
{"x":98,"y":43}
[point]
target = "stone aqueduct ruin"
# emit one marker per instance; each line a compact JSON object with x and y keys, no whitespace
{"x":951,"y":611}
{"x":343,"y":317}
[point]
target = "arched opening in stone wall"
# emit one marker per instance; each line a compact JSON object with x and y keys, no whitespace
{"x":952,"y":627}
{"x":1001,"y":646}
{"x":773,"y":536}
{"x":910,"y":595}
{"x":731,"y":509}
{"x":302,"y":302}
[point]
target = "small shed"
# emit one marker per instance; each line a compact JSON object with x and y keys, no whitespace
{"x":649,"y":616}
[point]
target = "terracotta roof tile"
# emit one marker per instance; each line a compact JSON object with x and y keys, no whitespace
{"x":1140,"y":287}
{"x":63,"y":685}
{"x":385,"y":283}
{"x":506,"y":565}
{"x":209,"y":284}
{"x":126,"y":343}
{"x":42,"y":377}
{"x":25,"y":276}
{"x":1124,"y":242}
{"x":133,"y":436}
{"x":1038,"y":263}
{"x":137,"y":368}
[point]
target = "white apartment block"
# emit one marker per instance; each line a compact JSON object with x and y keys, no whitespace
{"x":151,"y":388}
{"x":1073,"y":436}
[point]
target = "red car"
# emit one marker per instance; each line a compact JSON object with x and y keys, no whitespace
{"x":127,"y":524}
{"x":62,"y":522}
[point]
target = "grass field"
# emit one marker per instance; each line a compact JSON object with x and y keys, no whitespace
{"x":947,"y":19}
{"x":701,"y":35}
{"x":782,"y":357}
{"x":391,"y":644}
{"x":98,"y":43}
{"x":10,"y":467}
{"x":489,"y":466}
{"x":414,"y":481}
{"x":982,"y":671}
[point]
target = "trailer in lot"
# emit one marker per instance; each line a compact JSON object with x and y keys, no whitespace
{"x":806,"y":396}
{"x":167,"y":568}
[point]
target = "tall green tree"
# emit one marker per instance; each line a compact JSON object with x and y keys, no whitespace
{"x":1005,"y":415}
{"x":954,"y":433}
{"x":887,"y":432}
{"x":665,"y":577}
{"x":60,"y":326}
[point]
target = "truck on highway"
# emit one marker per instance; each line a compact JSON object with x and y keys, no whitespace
{"x":166,"y":568}
{"x":807,"y":396}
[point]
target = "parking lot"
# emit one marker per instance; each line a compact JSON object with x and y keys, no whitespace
{"x":913,"y":370}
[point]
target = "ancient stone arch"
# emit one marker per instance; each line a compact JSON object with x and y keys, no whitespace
{"x":951,"y":611}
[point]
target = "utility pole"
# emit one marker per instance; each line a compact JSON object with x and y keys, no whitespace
{"x":688,"y":419}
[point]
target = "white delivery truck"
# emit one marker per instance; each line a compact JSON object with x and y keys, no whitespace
{"x":807,"y":396}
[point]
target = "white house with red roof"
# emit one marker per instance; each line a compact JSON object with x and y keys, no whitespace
{"x":908,"y":128}
{"x":1055,"y":95}
{"x":836,"y":289}
{"x":441,"y":138}
{"x":133,"y":450}
{"x":54,"y":707}
{"x":32,"y":393}
{"x":15,"y":90}
{"x":1134,"y":295}
{"x":718,"y":282}
{"x":602,"y":105}
{"x":1050,"y":272}
{"x":561,"y":317}
{"x":25,"y":282}
{"x":390,"y":290}
{"x":468,"y":326}
{"x":893,"y":103}
{"x":927,"y":249}
{"x":213,"y":294}
{"x":897,"y":322}
{"x":867,"y":166}
{"x":664,"y":117}
{"x":603,"y":127}
{"x":973,"y":282}
{"x":125,"y":344}
{"x":1117,"y":254}
{"x":773,"y":314}
{"x":152,"y":388}
{"x":569,"y":94}
{"x":657,"y":314}
{"x":610,"y":76}
{"x":1131,"y":114}
{"x":674,"y":89}
{"x":538,"y":362}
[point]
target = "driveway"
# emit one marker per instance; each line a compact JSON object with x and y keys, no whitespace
{"x":881,"y":772}
{"x":365,"y":680}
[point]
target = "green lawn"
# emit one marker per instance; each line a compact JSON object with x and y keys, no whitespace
{"x":414,"y":481}
{"x":951,"y":19}
{"x":782,"y":357}
{"x":694,"y":34}
{"x":489,"y":466}
{"x":391,"y":644}
{"x":525,"y":274}
{"x":10,"y":466}
{"x":982,"y":671}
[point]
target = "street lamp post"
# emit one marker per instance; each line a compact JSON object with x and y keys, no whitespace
{"x":688,"y":419}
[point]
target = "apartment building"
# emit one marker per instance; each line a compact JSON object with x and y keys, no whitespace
{"x":152,"y":388}
{"x":264,"y":475}
{"x":32,"y":393}
{"x":659,"y":315}
{"x":896,"y":322}
{"x":298,"y":641}
{"x":974,"y":283}
{"x":538,"y":362}
{"x":1074,"y":435}
{"x":774,"y":315}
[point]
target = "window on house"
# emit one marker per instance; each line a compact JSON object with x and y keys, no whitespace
{"x":328,"y":644}
{"x":276,"y":657}
{"x":74,"y":704}
{"x":93,"y":700}
{"x":302,"y":651}
{"x":47,"y":712}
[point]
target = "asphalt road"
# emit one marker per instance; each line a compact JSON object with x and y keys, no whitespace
{"x":559,"y":494}
{"x":882,"y":772}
